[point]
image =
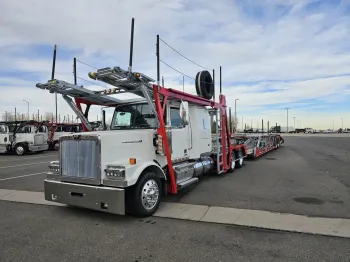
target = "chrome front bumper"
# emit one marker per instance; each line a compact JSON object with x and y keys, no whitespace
{"x":34,"y":148}
{"x":106,"y":199}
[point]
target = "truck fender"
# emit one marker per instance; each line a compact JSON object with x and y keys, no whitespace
{"x":146,"y":166}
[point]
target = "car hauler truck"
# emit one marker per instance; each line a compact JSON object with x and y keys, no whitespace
{"x":21,"y":137}
{"x":156,"y":144}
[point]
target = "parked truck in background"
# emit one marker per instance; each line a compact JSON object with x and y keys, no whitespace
{"x":21,"y":137}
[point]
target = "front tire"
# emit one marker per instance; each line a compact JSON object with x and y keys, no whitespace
{"x":56,"y":146}
{"x":143,"y":199}
{"x":20,"y":150}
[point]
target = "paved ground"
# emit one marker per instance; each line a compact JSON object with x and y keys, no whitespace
{"x":41,"y":233}
{"x":307,"y":176}
{"x":25,"y":172}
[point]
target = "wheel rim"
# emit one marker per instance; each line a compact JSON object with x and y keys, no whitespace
{"x":20,"y":150}
{"x":56,"y":146}
{"x":150,"y":194}
{"x":233,"y":163}
{"x":240,"y":158}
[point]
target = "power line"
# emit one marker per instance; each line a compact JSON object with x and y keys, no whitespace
{"x":86,"y":64}
{"x":176,"y":69}
{"x":91,"y":82}
{"x":181,"y":72}
{"x":182,"y":55}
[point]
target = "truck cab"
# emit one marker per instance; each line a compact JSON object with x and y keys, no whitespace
{"x":4,"y":138}
{"x":57,"y":130}
{"x":23,"y":137}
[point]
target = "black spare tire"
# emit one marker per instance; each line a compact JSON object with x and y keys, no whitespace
{"x":204,"y":84}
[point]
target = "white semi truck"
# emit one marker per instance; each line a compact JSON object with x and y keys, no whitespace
{"x":21,"y":137}
{"x":156,"y":144}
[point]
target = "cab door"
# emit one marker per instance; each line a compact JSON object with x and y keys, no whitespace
{"x":4,"y":138}
{"x":180,"y":136}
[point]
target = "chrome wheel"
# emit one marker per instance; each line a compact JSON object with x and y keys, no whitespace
{"x":150,"y":194}
{"x":241,"y":161}
{"x":233,"y":163}
{"x":19,"y":150}
{"x":56,"y":146}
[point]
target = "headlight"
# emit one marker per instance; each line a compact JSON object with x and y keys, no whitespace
{"x":54,"y":168}
{"x":115,"y":172}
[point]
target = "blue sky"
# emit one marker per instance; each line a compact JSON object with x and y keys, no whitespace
{"x":274,"y":53}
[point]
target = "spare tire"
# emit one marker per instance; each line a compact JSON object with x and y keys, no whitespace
{"x":204,"y":84}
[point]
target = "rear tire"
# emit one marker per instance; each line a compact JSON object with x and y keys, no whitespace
{"x":240,"y":160}
{"x":233,"y":163}
{"x":143,"y":198}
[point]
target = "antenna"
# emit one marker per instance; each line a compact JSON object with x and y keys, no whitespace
{"x":214,"y":85}
{"x":220,"y":82}
{"x":158,"y":62}
{"x":131,"y":44}
{"x":75,"y":70}
{"x":53,"y":74}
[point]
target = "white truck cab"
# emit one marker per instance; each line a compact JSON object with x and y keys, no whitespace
{"x":20,"y":137}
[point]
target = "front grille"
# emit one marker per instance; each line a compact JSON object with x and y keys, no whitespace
{"x":80,"y":158}
{"x":39,"y":140}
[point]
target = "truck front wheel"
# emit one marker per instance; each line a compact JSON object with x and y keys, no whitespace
{"x":143,"y":199}
{"x":20,"y":150}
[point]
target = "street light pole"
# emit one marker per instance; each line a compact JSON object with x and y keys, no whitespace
{"x":294,"y":122}
{"x":287,"y":118}
{"x":28,"y":108}
{"x":236,"y":115}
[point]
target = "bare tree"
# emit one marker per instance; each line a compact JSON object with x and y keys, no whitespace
{"x":234,"y":123}
{"x":48,"y":116}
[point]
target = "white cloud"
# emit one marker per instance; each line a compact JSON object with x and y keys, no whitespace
{"x":297,"y":45}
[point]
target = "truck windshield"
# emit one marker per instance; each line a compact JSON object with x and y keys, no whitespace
{"x":133,"y":117}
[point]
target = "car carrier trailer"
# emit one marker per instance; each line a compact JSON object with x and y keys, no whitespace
{"x":157,"y":144}
{"x":260,"y":144}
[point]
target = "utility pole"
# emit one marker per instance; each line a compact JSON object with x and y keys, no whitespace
{"x":38,"y":116}
{"x":162,"y":81}
{"x":242,"y":122}
{"x":6,"y":116}
{"x":294,"y":122}
{"x":15,"y":114}
{"x":183,"y":83}
{"x":251,"y":123}
{"x":236,"y":114}
{"x":342,"y":124}
{"x":287,"y":118}
{"x":28,"y":108}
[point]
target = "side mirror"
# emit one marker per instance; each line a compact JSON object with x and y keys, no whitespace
{"x":184,"y":113}
{"x":104,"y":120}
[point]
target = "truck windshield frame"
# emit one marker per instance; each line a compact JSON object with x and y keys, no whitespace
{"x":133,"y":116}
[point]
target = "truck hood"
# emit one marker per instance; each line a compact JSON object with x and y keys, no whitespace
{"x":118,"y":146}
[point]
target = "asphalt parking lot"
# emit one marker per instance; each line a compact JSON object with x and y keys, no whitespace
{"x":307,"y":175}
{"x":43,"y":233}
{"x":25,"y":172}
